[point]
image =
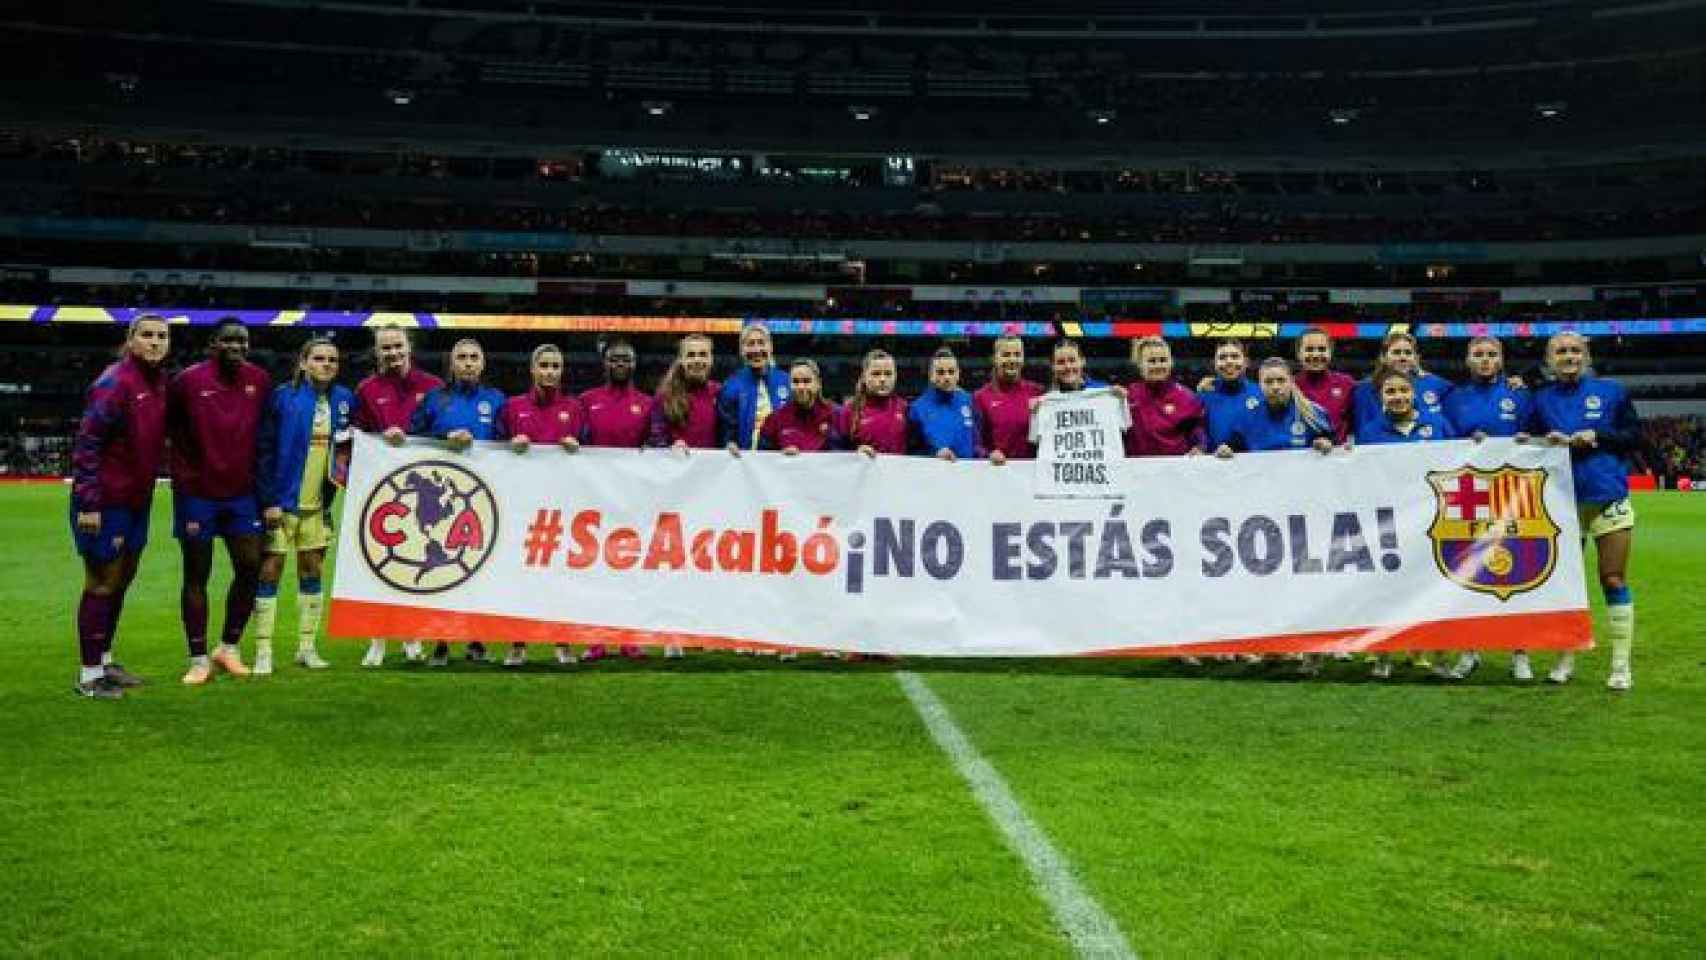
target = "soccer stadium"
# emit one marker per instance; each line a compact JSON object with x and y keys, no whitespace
{"x":867,"y":480}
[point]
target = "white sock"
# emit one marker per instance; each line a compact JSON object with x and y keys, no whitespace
{"x":266,"y":613}
{"x":307,"y":620}
{"x":106,"y":657}
{"x":1620,"y":630}
{"x":90,"y":674}
{"x":230,"y":648}
{"x":200,"y":661}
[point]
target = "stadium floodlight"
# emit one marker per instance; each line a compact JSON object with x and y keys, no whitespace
{"x":861,"y":113}
{"x":1344,"y":115}
{"x":401,"y":96}
{"x":1551,"y":109}
{"x":1102,"y":118}
{"x":657,"y":108}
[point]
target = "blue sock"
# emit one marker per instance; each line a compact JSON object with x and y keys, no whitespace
{"x":308,"y":585}
{"x":265,"y":590}
{"x":1618,"y":595}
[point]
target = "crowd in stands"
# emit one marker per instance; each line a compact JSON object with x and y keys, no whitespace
{"x":1676,"y":447}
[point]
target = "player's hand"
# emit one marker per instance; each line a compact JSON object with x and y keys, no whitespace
{"x":680,"y":446}
{"x":1478,"y":436}
{"x":1523,"y":438}
{"x":519,"y":443}
{"x":1205,"y":384}
{"x":395,"y":436}
{"x":272,"y":517}
{"x":868,"y":450}
{"x":734,"y":450}
{"x":459,"y":439}
{"x":571,"y":445}
{"x":1223,"y":452}
{"x":790,"y":451}
{"x":1194,"y":452}
{"x":1120,"y":391}
{"x":998,"y":458}
{"x":946,"y":454}
{"x":1516,"y":383}
{"x":89,"y":522}
{"x":1033,"y":403}
{"x":1323,"y":445}
{"x":1558,"y":439}
{"x":1584,"y":439}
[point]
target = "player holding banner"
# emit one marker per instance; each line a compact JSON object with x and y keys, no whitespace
{"x":115,"y":459}
{"x":544,"y":414}
{"x":943,"y":419}
{"x":1486,"y":405}
{"x":1402,"y":421}
{"x":1325,"y":387}
{"x":305,"y":421}
{"x":874,"y":420}
{"x":618,"y":414}
{"x":753,"y":392}
{"x":385,"y":403}
{"x":213,"y":412}
{"x":1167,"y":418}
{"x":459,"y":413}
{"x":1003,"y":406}
{"x":807,"y":423}
{"x":684,"y":413}
{"x":1595,"y":418}
{"x":1228,"y":395}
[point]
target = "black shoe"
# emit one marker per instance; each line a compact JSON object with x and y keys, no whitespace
{"x":122,"y":677}
{"x":99,"y":688}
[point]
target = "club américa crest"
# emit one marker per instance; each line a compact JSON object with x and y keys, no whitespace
{"x":428,"y":527}
{"x":1491,"y":532}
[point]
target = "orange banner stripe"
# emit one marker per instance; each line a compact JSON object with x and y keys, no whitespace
{"x":1562,"y":630}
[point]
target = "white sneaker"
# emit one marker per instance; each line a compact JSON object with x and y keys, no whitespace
{"x":1344,"y":656}
{"x":1466,"y":665}
{"x":263,"y":663}
{"x":1382,"y":669}
{"x":1565,"y":669}
{"x":477,"y":653}
{"x":565,"y":656}
{"x":788,"y":655}
{"x":516,"y":656}
{"x":743,"y":651}
{"x":1521,"y":669}
{"x":832,"y":654}
{"x":375,"y":654}
{"x":311,"y":659}
{"x":440,"y":657}
{"x":1309,"y":665}
{"x":412,"y":651}
{"x":1622,"y":678}
{"x":674,"y":652}
{"x":1190,"y":661}
{"x":1249,"y":658}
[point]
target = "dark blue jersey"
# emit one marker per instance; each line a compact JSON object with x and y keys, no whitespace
{"x":1224,"y":406}
{"x":1603,"y":406}
{"x":1286,"y":428}
{"x":1428,"y":427}
{"x":1491,"y":408}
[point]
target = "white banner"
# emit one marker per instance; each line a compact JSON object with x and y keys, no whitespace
{"x":1431,"y":546}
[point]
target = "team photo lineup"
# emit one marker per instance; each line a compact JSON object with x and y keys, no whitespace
{"x":889,"y":479}
{"x":256,"y":466}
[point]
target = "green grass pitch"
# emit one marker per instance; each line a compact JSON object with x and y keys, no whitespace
{"x":730,"y":806}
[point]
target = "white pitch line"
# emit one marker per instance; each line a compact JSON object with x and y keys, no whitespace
{"x":1092,"y":932}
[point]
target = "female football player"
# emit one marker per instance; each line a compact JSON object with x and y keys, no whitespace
{"x":121,"y":441}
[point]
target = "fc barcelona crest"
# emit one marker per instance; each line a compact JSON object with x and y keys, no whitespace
{"x":1491,"y":531}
